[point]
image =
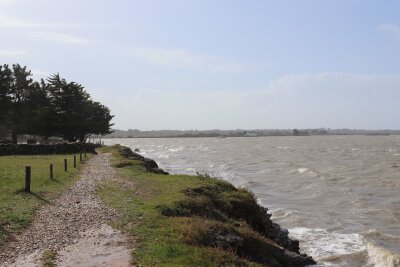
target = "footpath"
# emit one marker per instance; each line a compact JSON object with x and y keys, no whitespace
{"x":73,"y":230}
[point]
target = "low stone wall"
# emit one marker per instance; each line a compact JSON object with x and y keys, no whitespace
{"x":22,"y":149}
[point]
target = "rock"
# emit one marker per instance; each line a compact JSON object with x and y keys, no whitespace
{"x":126,"y":152}
{"x":149,"y":164}
{"x":281,"y":236}
{"x":226,"y":239}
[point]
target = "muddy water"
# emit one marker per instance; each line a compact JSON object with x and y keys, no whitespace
{"x":339,"y":195}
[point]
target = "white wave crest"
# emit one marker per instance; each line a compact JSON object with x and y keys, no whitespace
{"x":381,"y":257}
{"x":303,"y":170}
{"x":176,"y":149}
{"x":321,"y":244}
{"x":278,"y":214}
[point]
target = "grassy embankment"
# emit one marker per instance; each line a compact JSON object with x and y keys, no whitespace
{"x":18,"y":207}
{"x":182,"y":220}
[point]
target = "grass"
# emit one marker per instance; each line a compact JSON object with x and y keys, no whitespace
{"x":177,"y":220}
{"x":48,"y":258}
{"x":18,"y":207}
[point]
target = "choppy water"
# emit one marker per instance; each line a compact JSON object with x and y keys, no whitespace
{"x":339,"y":195}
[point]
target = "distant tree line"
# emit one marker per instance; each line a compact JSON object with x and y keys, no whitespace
{"x":47,"y":108}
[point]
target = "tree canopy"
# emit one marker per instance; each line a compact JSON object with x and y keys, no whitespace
{"x":52,"y":107}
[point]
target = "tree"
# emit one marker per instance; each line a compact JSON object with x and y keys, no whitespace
{"x":52,"y":108}
{"x":5,"y":88}
{"x":5,"y":100}
{"x":68,"y":100}
{"x":39,"y":113}
{"x":17,"y":94}
{"x":98,"y":120}
{"x":77,"y":115}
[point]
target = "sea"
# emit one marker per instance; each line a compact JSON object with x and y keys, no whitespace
{"x":338,"y":195}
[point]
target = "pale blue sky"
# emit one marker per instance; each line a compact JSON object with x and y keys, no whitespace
{"x":218,"y":64}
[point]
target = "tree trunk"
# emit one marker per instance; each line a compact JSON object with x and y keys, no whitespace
{"x":14,"y":136}
{"x":71,"y":139}
{"x":82,"y":138}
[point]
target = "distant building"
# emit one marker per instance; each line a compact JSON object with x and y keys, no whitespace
{"x":251,"y":134}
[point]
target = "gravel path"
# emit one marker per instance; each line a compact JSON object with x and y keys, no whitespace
{"x":64,"y":224}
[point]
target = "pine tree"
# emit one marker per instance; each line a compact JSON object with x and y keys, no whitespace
{"x":52,"y":108}
{"x":5,"y":88}
{"x":19,"y":90}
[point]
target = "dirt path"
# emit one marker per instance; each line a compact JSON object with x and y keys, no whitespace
{"x":75,"y":226}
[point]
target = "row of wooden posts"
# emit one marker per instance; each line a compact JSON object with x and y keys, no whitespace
{"x":28,"y":171}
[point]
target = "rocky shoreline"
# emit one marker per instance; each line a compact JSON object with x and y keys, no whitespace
{"x":149,"y":164}
{"x":274,"y":248}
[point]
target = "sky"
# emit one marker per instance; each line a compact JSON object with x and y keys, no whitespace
{"x":218,"y":64}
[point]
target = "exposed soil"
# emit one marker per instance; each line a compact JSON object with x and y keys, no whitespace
{"x":75,"y":226}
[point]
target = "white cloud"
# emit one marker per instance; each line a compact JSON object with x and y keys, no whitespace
{"x":40,"y":74}
{"x":57,"y":37}
{"x":183,"y":58}
{"x":12,"y":22}
{"x":333,"y":100}
{"x":15,"y":22}
{"x":391,"y":29}
{"x":12,"y":53}
{"x":7,"y":2}
{"x":333,"y":82}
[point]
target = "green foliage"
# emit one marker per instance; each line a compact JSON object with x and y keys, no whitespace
{"x":5,"y":88}
{"x":16,"y":87}
{"x":49,"y":108}
{"x":48,"y":258}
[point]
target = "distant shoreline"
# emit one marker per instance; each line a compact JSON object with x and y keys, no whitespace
{"x":216,"y":133}
{"x":232,"y":136}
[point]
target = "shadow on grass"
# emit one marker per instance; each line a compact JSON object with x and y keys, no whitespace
{"x":22,"y":191}
{"x":57,"y":181}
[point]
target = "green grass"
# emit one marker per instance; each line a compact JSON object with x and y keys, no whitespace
{"x":48,"y":258}
{"x":18,"y":207}
{"x":172,"y":228}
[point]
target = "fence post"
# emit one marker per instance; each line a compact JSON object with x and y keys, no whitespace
{"x":65,"y":165}
{"x":80,"y":156}
{"x":51,"y":171}
{"x":28,"y":179}
{"x":74,"y":161}
{"x":85,"y":153}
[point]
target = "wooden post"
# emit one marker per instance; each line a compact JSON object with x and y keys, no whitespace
{"x":51,"y":171}
{"x":80,"y":156}
{"x":85,"y":153}
{"x":74,"y":161}
{"x":65,"y":165}
{"x":28,"y":179}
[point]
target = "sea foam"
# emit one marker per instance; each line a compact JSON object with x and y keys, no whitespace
{"x":322,"y":244}
{"x":381,"y":257}
{"x":303,"y":170}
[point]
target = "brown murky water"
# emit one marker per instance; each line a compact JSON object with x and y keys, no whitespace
{"x":339,"y":195}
